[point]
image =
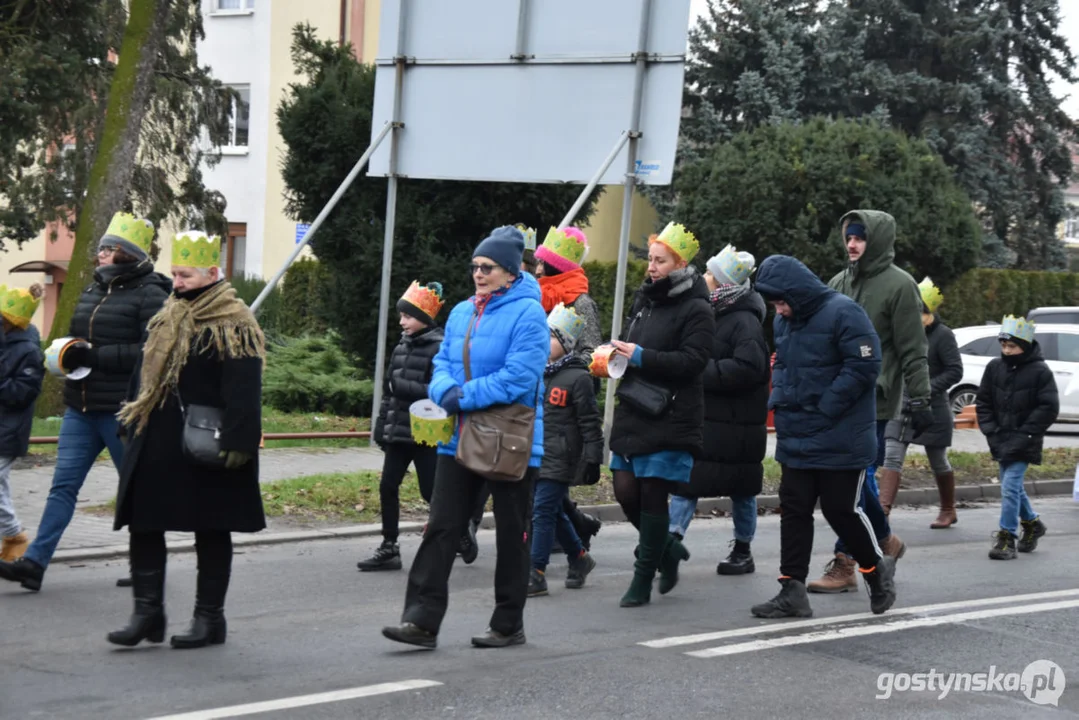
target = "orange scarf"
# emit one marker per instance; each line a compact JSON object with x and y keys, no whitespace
{"x":563,"y":288}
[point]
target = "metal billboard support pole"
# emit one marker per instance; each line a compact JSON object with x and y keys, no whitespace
{"x":579,"y":203}
{"x":627,"y":200}
{"x":391,"y":219}
{"x":321,"y":217}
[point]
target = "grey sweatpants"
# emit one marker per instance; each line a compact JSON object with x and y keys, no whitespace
{"x":895,"y":453}
{"x":9,"y":523}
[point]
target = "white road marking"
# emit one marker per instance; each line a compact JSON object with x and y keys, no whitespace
{"x":301,"y":701}
{"x":861,"y":630}
{"x":776,"y":627}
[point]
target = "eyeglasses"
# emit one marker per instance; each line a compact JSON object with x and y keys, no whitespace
{"x":106,"y":249}
{"x":484,"y":268}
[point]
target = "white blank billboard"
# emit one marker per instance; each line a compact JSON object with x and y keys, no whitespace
{"x":471,"y":112}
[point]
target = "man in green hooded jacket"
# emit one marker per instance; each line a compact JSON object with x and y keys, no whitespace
{"x":890,"y":297}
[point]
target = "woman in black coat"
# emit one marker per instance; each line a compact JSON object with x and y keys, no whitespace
{"x":204,"y":354}
{"x":657,"y":424}
{"x":735,"y":409}
{"x":945,"y":370}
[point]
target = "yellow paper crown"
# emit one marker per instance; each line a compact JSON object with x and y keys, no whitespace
{"x":1017,"y":327}
{"x":530,"y":235}
{"x":136,"y":231}
{"x":931,"y":294}
{"x":682,"y":242}
{"x":195,"y":249}
{"x":18,"y":305}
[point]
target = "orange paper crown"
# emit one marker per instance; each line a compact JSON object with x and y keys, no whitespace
{"x":427,"y":299}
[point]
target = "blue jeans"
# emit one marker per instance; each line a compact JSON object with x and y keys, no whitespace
{"x":869,"y":500}
{"x":549,"y":521}
{"x":743,"y":512}
{"x":82,"y":438}
{"x":1015,"y":505}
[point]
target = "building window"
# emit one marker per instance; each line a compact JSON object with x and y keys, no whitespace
{"x":240,"y":117}
{"x":227,"y":6}
{"x":1071,"y":226}
{"x":233,"y":251}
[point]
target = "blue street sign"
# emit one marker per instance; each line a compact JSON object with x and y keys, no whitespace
{"x":301,"y":230}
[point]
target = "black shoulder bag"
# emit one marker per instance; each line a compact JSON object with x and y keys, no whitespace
{"x":646,"y":397}
{"x":202,"y":433}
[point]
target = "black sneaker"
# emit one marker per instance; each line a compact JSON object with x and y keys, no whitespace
{"x":792,"y":601}
{"x":23,"y":571}
{"x":386,"y":557}
{"x":410,"y":634}
{"x":1032,"y":530}
{"x":494,"y":639}
{"x":881,"y":585}
{"x":1003,"y":546}
{"x":739,"y":562}
{"x":469,"y":550}
{"x":579,"y":568}
{"x":537,"y":583}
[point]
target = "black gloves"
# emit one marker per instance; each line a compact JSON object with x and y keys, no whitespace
{"x":77,"y":356}
{"x":921,"y":416}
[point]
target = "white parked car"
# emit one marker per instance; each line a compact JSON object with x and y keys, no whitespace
{"x":1060,"y":347}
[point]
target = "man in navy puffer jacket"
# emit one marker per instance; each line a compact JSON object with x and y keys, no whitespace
{"x":823,"y":395}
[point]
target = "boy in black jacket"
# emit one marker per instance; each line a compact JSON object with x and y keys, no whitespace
{"x":406,"y":382}
{"x":572,"y":452}
{"x":1017,"y":402}
{"x":22,"y":368}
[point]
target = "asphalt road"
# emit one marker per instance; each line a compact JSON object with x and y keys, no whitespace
{"x":304,"y":622}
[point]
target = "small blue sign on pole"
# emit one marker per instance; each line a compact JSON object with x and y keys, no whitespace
{"x":301,"y":230}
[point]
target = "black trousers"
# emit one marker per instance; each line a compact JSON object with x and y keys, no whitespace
{"x":838,"y":492}
{"x":452,"y":504}
{"x":394,"y":466}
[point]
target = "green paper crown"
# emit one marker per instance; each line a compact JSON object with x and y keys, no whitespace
{"x":681,"y":241}
{"x":135,"y":230}
{"x":1018,"y":327}
{"x":561,"y":247}
{"x":18,"y":306}
{"x":931,"y":294}
{"x":195,"y":249}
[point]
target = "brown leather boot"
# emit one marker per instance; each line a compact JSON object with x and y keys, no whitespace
{"x":888,"y":484}
{"x":893,"y":546}
{"x":13,"y":547}
{"x":947,"y":516}
{"x":838,"y":577}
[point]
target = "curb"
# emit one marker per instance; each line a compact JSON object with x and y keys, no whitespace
{"x":606,"y":513}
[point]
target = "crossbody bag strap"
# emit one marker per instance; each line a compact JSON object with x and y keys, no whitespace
{"x":466,"y":351}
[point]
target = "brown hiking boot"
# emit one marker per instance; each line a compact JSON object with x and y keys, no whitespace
{"x":893,"y":546}
{"x":947,"y":516}
{"x":13,"y":547}
{"x":888,"y":484}
{"x":838,"y":577}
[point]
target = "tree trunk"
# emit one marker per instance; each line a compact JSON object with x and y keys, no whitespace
{"x":114,"y":163}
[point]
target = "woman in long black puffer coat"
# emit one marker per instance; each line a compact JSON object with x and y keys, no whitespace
{"x":735,"y":409}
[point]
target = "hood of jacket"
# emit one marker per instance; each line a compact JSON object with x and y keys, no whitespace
{"x":751,"y":302}
{"x":135,"y":271}
{"x":786,"y":278}
{"x":879,"y":241}
{"x":29,"y":335}
{"x":1035,"y":353}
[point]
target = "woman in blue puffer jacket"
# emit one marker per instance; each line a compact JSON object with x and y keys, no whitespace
{"x":509,"y":343}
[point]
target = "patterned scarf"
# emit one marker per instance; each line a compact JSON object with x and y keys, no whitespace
{"x":557,"y":365}
{"x":216,"y":320}
{"x":726,"y":295}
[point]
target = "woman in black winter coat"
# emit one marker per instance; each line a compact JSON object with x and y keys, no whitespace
{"x":735,"y":409}
{"x":202,"y":367}
{"x":111,"y":316}
{"x":411,"y":365}
{"x":657,"y":423}
{"x":945,"y":370}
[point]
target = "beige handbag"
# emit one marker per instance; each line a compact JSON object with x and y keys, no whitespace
{"x":495,"y":443}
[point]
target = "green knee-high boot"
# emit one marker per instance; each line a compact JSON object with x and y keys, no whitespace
{"x":653,"y":539}
{"x":674,"y":552}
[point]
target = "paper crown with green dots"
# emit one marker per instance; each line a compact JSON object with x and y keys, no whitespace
{"x":682,"y":242}
{"x":18,"y":305}
{"x":563,"y":248}
{"x":1017,"y":327}
{"x":194,"y":248}
{"x":566,"y":324}
{"x":931,"y":295}
{"x":126,"y":228}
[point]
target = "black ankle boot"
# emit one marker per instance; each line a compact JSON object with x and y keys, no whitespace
{"x":208,"y":626}
{"x":739,"y":562}
{"x":148,"y":620}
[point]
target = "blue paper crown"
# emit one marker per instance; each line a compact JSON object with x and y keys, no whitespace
{"x":737,"y":266}
{"x":566,"y":322}
{"x":1018,"y":327}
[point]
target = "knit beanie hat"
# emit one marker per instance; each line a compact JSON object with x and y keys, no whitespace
{"x":131,"y":234}
{"x":731,"y":267}
{"x":506,"y":246}
{"x":856,"y":229}
{"x":564,"y":249}
{"x":421,"y":301}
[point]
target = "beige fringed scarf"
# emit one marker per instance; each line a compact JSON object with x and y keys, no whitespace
{"x":216,"y":319}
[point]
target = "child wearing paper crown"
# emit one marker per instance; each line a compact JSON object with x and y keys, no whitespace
{"x":411,"y":364}
{"x":572,"y":452}
{"x":22,"y":368}
{"x":1017,"y":402}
